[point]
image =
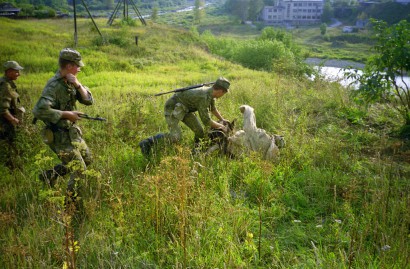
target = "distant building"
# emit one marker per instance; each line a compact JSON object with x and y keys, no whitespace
{"x":364,"y":3}
{"x":8,"y":10}
{"x":293,"y":12}
{"x":348,"y":29}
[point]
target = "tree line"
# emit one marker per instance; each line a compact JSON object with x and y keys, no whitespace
{"x":51,"y":8}
{"x":350,"y":10}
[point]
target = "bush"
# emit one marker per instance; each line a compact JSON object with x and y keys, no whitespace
{"x":274,"y":50}
{"x":44,"y":12}
{"x":259,"y":55}
{"x":27,"y":10}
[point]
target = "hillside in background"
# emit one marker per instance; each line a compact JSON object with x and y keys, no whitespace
{"x":337,"y":198}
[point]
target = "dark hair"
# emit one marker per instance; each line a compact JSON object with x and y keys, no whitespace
{"x":63,"y":63}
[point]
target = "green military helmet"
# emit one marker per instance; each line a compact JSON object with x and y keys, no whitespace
{"x":222,"y":82}
{"x":12,"y":65}
{"x":72,"y":56}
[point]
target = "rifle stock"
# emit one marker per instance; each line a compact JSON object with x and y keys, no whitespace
{"x":185,"y":88}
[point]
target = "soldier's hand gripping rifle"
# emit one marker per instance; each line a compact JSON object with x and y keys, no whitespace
{"x":85,"y":116}
{"x":186,"y":88}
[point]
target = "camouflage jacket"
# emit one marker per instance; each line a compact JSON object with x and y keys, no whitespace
{"x":56,"y":97}
{"x":199,"y":99}
{"x":9,"y":98}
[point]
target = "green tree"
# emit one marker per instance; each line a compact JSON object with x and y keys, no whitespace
{"x":383,"y":76}
{"x":255,"y":7}
{"x":239,"y":8}
{"x":327,"y":12}
{"x":323,"y":28}
{"x":154,"y":15}
{"x":198,"y":11}
{"x":109,"y":4}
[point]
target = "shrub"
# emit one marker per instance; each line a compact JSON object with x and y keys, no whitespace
{"x":44,"y":12}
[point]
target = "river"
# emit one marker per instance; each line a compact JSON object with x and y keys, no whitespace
{"x":333,"y":70}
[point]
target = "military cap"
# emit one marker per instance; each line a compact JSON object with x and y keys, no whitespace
{"x":222,"y":82}
{"x":12,"y":65}
{"x":72,"y":56}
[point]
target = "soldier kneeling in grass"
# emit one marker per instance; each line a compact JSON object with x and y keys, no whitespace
{"x":182,"y":107}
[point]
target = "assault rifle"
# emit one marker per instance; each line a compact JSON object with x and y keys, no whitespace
{"x":186,"y":88}
{"x":85,"y":116}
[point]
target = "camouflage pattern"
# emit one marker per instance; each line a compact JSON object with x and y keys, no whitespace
{"x":12,"y":65}
{"x":9,"y":103}
{"x":182,"y":106}
{"x":61,"y":135}
{"x":222,"y":82}
{"x":72,"y":56}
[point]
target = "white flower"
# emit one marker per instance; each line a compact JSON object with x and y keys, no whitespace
{"x":296,"y":221}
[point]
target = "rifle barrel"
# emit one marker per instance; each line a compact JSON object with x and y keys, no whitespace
{"x":85,"y":116}
{"x":185,"y":88}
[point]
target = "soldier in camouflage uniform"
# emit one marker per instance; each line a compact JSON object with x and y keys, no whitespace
{"x":182,"y":107}
{"x":57,"y":109}
{"x":11,"y":113}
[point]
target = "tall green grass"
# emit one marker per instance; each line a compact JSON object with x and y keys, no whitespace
{"x":338,"y":197}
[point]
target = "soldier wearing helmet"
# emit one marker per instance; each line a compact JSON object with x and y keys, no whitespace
{"x":57,"y":109}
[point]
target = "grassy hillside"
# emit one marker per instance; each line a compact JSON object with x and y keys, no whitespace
{"x":338,"y":197}
{"x":335,"y":44}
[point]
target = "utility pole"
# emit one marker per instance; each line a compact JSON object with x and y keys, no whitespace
{"x":75,"y":25}
{"x":75,"y":21}
{"x":126,"y":3}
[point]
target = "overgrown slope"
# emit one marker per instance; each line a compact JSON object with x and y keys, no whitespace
{"x":338,"y":197}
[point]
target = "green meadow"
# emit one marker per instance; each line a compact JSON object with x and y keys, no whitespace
{"x":339,"y":196}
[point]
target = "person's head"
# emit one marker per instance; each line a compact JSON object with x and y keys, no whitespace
{"x":12,"y":70}
{"x":70,"y":61}
{"x":220,"y":87}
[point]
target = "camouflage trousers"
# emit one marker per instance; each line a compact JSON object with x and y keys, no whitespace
{"x":72,"y":150}
{"x":7,"y":131}
{"x":190,"y":120}
{"x":8,"y":147}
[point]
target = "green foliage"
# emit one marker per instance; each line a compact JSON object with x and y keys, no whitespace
{"x":198,"y":11}
{"x":274,"y":50}
{"x":154,"y":15}
{"x":238,"y":8}
{"x":323,"y":28}
{"x":355,"y":47}
{"x":337,"y":197}
{"x":390,"y":12}
{"x":327,"y":14}
{"x":381,"y":78}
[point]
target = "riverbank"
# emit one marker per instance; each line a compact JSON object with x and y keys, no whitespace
{"x":334,"y":63}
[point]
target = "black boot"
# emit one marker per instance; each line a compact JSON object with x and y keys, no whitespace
{"x":146,"y":145}
{"x":50,"y":176}
{"x":197,"y":146}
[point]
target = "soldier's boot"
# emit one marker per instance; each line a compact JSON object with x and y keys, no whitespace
{"x":197,"y":146}
{"x":146,"y":145}
{"x":50,"y":176}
